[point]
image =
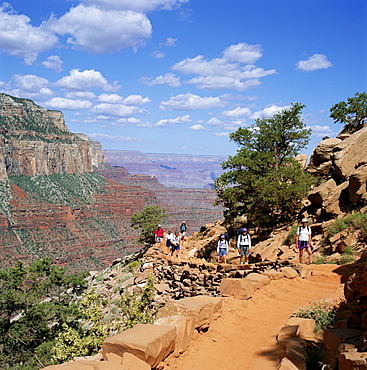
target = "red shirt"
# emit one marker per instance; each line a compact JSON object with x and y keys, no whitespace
{"x":159,"y":232}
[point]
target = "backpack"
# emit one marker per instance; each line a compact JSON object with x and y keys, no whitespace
{"x":247,"y":236}
{"x":300,"y":228}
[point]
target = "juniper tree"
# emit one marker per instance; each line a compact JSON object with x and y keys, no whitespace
{"x":147,"y":222}
{"x":263,"y":180}
{"x":352,"y":113}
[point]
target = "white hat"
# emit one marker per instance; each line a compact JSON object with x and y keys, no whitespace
{"x":159,"y":225}
{"x":304,"y":220}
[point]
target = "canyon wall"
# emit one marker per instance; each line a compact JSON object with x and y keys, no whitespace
{"x":172,"y":170}
{"x":36,"y":141}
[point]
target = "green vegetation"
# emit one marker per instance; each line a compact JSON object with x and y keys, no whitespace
{"x":46,"y":318}
{"x":147,"y":222}
{"x":352,"y":113}
{"x":263,"y":180}
{"x":35,"y":301}
{"x":138,"y":308}
{"x":323,"y":313}
{"x":355,"y":221}
{"x":69,"y":189}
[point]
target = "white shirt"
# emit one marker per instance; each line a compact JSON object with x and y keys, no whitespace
{"x":303,"y":233}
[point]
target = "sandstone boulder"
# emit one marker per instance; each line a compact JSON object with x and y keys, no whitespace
{"x":131,"y":362}
{"x":320,"y":161}
{"x":150,"y":343}
{"x":350,"y":153}
{"x":202,"y":308}
{"x":357,"y":184}
{"x":238,"y":288}
{"x":258,"y":280}
{"x":185,"y":327}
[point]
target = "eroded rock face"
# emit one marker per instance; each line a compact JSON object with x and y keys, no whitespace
{"x":36,"y":141}
{"x":342,"y":162}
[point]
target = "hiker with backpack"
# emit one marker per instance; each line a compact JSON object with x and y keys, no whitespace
{"x":303,"y":240}
{"x":175,"y":245}
{"x":169,"y":236}
{"x":244,"y":245}
{"x":183,"y":230}
{"x":222,"y":248}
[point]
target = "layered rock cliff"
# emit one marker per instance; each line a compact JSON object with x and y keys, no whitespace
{"x":172,"y":170}
{"x":342,"y":164}
{"x":36,"y":141}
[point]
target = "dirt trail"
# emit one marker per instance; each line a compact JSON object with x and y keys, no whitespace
{"x":243,"y":336}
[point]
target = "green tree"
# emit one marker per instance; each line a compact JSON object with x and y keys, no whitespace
{"x":34,"y":302}
{"x":352,"y":113}
{"x":147,"y":221}
{"x":263,"y":180}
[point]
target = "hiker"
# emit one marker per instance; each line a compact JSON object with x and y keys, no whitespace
{"x":244,"y":245}
{"x":183,"y":230}
{"x":303,"y":240}
{"x":175,"y":245}
{"x":158,"y":235}
{"x":169,"y":237}
{"x":222,"y":249}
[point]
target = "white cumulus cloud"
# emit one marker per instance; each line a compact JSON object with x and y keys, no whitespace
{"x":214,"y":122}
{"x":268,"y":111}
{"x":191,"y":102}
{"x":168,"y":122}
{"x":243,"y":53}
{"x":237,"y":112}
{"x":234,"y":70}
{"x":53,"y":62}
{"x":169,"y":79}
{"x":198,"y":127}
{"x":69,"y":104}
{"x":117,"y":110}
{"x":85,"y":80}
{"x":313,"y":63}
{"x":87,"y":28}
{"x":20,"y":39}
{"x":221,"y":134}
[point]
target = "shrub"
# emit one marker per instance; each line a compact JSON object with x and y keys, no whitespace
{"x":137,"y":308}
{"x":323,"y":314}
{"x":291,"y":237}
{"x":320,"y":260}
{"x":345,"y":258}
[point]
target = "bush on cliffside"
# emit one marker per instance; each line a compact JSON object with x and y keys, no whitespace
{"x":35,"y":301}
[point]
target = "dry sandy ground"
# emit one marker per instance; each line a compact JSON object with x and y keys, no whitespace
{"x":243,"y":336}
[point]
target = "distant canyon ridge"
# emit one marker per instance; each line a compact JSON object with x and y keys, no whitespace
{"x":172,"y":170}
{"x":61,"y":197}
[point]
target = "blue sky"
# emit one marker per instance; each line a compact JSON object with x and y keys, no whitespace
{"x":177,"y":76}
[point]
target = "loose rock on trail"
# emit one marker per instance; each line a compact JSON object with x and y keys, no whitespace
{"x":243,"y":336}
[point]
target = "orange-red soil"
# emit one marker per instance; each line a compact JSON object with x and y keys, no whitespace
{"x":243,"y":335}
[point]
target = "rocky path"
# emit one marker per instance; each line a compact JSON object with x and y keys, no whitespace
{"x":244,"y":335}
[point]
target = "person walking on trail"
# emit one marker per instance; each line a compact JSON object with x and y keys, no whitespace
{"x":183,"y":231}
{"x":158,"y":235}
{"x":244,"y":245}
{"x":169,"y":237}
{"x":175,"y":245}
{"x":303,"y":240}
{"x":222,"y":249}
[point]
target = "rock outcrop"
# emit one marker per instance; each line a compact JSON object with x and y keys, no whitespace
{"x":342,"y":163}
